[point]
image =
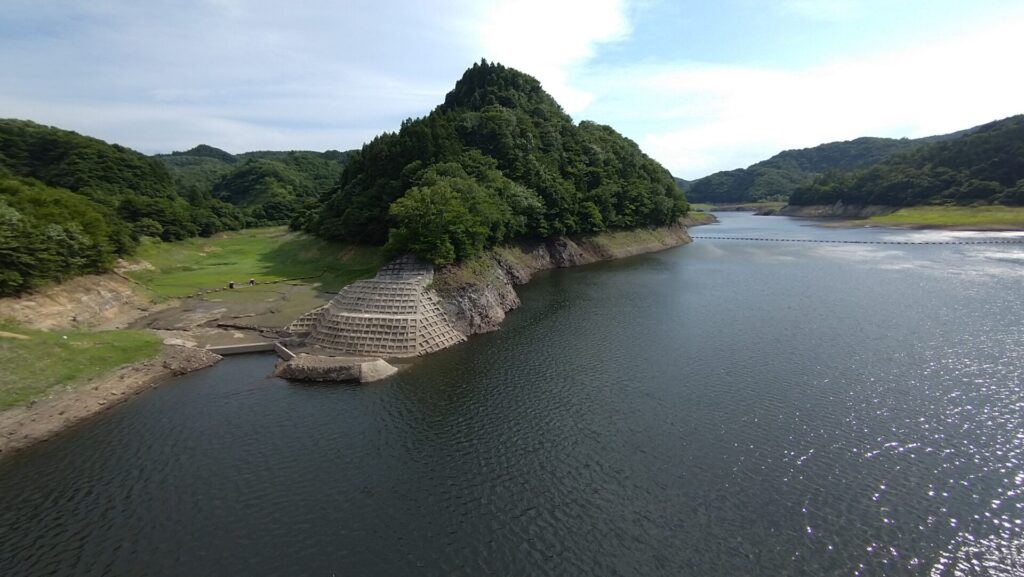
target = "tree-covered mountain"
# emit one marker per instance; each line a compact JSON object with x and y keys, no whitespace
{"x":71,"y":204}
{"x":269,"y":187}
{"x":985,"y":165}
{"x":776,"y":178}
{"x":195,"y":171}
{"x":499,"y":159}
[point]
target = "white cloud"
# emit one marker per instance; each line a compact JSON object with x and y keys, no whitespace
{"x":258,"y":74}
{"x":548,"y":38}
{"x":697,"y":118}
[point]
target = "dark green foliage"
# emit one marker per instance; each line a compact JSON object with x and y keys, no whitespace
{"x":776,"y":178}
{"x":984,"y":166}
{"x":269,"y":188}
{"x":131,"y":185}
{"x":194,"y":176}
{"x":69,"y":160}
{"x":499,"y":159}
{"x":50,"y":234}
{"x":72,"y":204}
{"x":207,"y":151}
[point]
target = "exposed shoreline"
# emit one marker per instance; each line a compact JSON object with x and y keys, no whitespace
{"x":479,"y":306}
{"x":477,"y":295}
{"x":883,"y":216}
{"x":861,"y":223}
{"x":62,"y":409}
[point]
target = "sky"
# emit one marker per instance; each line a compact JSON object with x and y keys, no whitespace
{"x":700,"y":86}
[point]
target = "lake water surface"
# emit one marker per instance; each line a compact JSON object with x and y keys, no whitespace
{"x":724,"y":408}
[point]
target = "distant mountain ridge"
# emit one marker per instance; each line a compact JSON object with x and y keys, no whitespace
{"x":205,"y":151}
{"x":270,"y":187}
{"x":776,"y":178}
{"x":982,"y":165}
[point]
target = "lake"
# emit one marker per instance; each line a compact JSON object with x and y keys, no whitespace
{"x":723,"y":408}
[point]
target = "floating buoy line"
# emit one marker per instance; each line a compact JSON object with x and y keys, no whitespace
{"x":899,"y":242}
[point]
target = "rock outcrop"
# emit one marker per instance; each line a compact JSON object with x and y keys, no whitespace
{"x":181,"y":360}
{"x":335,"y":369}
{"x":476,"y":295}
{"x":480,"y":307}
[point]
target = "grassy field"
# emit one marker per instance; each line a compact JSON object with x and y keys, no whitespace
{"x":265,"y":254}
{"x":34,"y":362}
{"x":991,"y":217}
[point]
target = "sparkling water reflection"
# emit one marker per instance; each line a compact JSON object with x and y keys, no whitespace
{"x":725,"y":408}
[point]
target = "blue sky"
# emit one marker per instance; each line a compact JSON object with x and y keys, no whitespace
{"x":701,"y":86}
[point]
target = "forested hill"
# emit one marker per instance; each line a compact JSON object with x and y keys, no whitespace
{"x":986,"y":165}
{"x":499,"y":159}
{"x":70,"y":204}
{"x":269,"y":187}
{"x":777,"y":177}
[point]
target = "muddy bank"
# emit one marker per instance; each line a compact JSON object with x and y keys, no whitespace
{"x":476,"y":295}
{"x":837,"y":210}
{"x":63,"y":408}
{"x":746,"y":207}
{"x":106,"y":301}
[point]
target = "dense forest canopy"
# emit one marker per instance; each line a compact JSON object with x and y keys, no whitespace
{"x":134,"y":186}
{"x":269,"y":187}
{"x":499,"y":159}
{"x":776,"y":178}
{"x":70,"y":204}
{"x":50,"y":234}
{"x":985,"y":165}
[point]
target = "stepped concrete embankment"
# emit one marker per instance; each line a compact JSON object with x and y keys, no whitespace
{"x":394,"y":314}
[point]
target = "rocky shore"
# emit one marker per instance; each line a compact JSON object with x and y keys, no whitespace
{"x":476,"y":295}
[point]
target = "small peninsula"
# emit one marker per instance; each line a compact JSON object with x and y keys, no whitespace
{"x":494,"y":184}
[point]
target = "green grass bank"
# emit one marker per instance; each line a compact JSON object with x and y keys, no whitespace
{"x":265,"y":254}
{"x":36,"y":362}
{"x":981,"y":217}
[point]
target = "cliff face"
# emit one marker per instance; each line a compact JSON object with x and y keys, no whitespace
{"x":476,"y":295}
